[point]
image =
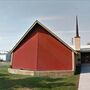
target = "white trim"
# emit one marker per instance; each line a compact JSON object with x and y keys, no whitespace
{"x":73,"y":62}
{"x":11,"y":59}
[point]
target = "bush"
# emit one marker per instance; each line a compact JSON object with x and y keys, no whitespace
{"x":1,"y":60}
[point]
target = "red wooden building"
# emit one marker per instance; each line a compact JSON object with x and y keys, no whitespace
{"x":41,"y":52}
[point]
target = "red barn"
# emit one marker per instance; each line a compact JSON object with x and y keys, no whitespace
{"x":41,"y":52}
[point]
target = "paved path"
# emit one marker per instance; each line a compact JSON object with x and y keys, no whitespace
{"x":84,"y":81}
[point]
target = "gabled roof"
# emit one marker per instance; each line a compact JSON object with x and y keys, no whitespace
{"x":37,"y":22}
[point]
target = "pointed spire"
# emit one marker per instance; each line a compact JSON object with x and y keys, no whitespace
{"x":77,"y":31}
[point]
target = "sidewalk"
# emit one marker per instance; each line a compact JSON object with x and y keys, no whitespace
{"x":84,"y":81}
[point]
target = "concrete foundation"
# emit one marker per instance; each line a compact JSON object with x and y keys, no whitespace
{"x":54,"y":74}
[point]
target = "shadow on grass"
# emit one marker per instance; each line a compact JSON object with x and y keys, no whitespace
{"x":7,"y":83}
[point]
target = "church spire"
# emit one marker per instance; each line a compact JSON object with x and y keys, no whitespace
{"x":77,"y":37}
{"x":77,"y":31}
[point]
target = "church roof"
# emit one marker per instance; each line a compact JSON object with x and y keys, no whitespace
{"x":37,"y":22}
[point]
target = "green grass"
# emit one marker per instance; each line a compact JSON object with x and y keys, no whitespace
{"x":21,"y":82}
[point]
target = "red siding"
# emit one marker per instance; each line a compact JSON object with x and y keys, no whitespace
{"x":41,"y":51}
{"x":25,"y":56}
{"x":52,"y":54}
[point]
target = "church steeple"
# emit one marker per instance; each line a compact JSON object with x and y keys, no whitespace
{"x":77,"y":30}
{"x":77,"y":37}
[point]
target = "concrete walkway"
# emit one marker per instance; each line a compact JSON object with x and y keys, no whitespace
{"x":84,"y":81}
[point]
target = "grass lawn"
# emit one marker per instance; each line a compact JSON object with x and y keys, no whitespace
{"x":21,"y":82}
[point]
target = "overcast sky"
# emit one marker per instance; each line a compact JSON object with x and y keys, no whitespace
{"x":16,"y":16}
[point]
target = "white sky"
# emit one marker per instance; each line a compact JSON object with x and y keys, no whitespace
{"x":16,"y":16}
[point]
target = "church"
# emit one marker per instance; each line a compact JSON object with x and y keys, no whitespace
{"x":40,"y":52}
{"x":84,"y":50}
